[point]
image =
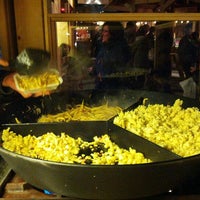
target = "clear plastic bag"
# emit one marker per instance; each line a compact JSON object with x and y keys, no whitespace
{"x":189,"y":87}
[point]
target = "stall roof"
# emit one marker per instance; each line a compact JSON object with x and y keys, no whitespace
{"x":145,"y":5}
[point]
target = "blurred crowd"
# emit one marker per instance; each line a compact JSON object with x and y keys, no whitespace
{"x":118,"y":49}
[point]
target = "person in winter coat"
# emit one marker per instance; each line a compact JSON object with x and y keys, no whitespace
{"x":140,"y":49}
{"x":113,"y":54}
{"x":187,"y":52}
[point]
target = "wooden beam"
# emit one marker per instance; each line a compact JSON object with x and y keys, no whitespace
{"x":165,"y":5}
{"x":146,"y":1}
{"x":114,"y":8}
{"x":125,"y":17}
{"x":195,"y":1}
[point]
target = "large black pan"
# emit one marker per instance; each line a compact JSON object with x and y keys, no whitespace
{"x":29,"y":110}
{"x":167,"y":172}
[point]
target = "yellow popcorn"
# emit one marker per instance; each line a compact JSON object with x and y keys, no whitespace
{"x":66,"y":149}
{"x":172,"y":127}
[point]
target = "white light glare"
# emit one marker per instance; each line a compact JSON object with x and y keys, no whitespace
{"x":93,"y":2}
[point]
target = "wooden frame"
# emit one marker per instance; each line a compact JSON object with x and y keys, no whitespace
{"x":53,"y":18}
{"x":124,"y":16}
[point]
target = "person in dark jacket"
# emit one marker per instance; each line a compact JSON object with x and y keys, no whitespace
{"x":164,"y":42}
{"x":130,"y":32}
{"x":113,"y":54}
{"x":161,"y":75}
{"x":187,"y":52}
{"x":151,"y":40}
{"x":139,"y":52}
{"x":140,"y":49}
